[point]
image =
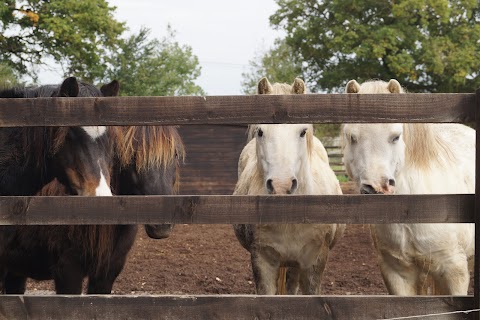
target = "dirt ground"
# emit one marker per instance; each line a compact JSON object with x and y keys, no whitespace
{"x":207,"y":259}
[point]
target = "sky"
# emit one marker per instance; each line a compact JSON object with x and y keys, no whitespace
{"x":224,"y":35}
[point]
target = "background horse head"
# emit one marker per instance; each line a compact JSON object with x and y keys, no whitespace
{"x":374,"y":153}
{"x":79,"y":157}
{"x":147,"y":162}
{"x":283,"y":150}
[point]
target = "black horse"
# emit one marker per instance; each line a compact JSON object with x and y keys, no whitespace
{"x":145,"y":161}
{"x":78,"y":159}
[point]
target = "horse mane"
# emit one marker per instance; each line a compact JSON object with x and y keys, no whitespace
{"x":423,"y":145}
{"x":148,"y":147}
{"x":96,"y":240}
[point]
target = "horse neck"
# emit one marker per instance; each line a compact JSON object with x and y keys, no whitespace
{"x":424,"y":147}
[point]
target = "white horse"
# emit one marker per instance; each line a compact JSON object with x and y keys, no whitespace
{"x":414,"y":159}
{"x":286,"y":159}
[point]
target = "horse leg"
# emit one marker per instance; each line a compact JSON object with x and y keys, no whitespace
{"x":311,"y":278}
{"x":293,"y":278}
{"x":400,"y":278}
{"x":453,"y":277}
{"x":100,"y":280}
{"x":14,"y":284}
{"x":265,"y":274}
{"x":101,"y":284}
{"x":68,"y":275}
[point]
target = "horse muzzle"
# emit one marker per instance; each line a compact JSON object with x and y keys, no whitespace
{"x":369,"y":189}
{"x":288,"y":186}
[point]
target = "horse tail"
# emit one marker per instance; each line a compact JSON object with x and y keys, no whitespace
{"x":282,"y":281}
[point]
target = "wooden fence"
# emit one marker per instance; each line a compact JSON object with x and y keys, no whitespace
{"x":213,"y":209}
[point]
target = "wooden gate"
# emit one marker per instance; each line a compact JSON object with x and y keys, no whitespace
{"x":227,"y":209}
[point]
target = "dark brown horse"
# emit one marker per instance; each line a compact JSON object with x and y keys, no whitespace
{"x":146,"y":161}
{"x":79,"y":158}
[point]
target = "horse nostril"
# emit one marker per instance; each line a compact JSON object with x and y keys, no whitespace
{"x":367,"y":189}
{"x":270,"y":185}
{"x":391,"y":182}
{"x":294,"y":185}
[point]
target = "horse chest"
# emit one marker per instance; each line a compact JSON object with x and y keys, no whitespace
{"x":294,"y":243}
{"x":410,"y":242}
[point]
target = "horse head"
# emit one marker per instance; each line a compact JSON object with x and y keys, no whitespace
{"x":82,"y":156}
{"x":374,"y":154}
{"x":147,"y":162}
{"x":282,"y":150}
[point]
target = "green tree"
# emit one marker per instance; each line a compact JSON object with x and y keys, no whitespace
{"x":76,"y":34}
{"x":154,"y":68}
{"x":279,"y":64}
{"x":8,"y":77}
{"x":428,"y":45}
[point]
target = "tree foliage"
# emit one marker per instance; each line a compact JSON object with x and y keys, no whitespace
{"x":278,"y":64}
{"x":8,"y":77}
{"x":76,"y":34}
{"x":428,"y":45}
{"x":154,"y":68}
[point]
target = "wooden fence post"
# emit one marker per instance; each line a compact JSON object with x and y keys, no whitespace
{"x":476,"y":273}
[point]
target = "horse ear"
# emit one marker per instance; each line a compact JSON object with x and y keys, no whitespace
{"x":394,"y":86}
{"x":298,"y":86}
{"x":352,"y":87}
{"x":264,"y":87}
{"x":69,"y":88}
{"x":111,"y":89}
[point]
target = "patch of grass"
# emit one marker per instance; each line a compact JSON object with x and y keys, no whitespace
{"x":326,"y":130}
{"x":342,"y":178}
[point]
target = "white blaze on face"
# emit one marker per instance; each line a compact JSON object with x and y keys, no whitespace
{"x":103,"y":188}
{"x":95,"y":131}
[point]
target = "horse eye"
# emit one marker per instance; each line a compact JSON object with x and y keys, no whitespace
{"x":260,"y":133}
{"x":395,"y":139}
{"x":353,"y":139}
{"x":304,"y":132}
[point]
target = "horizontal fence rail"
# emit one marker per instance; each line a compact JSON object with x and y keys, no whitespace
{"x":199,"y":209}
{"x":353,"y":209}
{"x":309,"y":108}
{"x":219,"y":307}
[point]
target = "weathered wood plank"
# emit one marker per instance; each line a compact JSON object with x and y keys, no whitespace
{"x":310,"y":108}
{"x":231,"y":307}
{"x":356,"y":209}
{"x":476,"y":287}
{"x":210,"y":165}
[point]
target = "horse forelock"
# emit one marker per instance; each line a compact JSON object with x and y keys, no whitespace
{"x":376,"y":86}
{"x":147,"y":146}
{"x":281,"y":88}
